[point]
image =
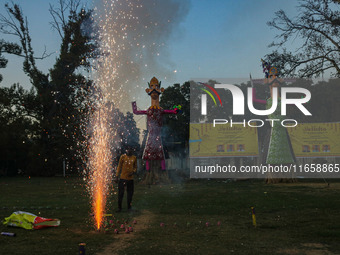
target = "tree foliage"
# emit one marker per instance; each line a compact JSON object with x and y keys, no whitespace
{"x":46,"y":124}
{"x":19,"y":128}
{"x":175,"y":132}
{"x":124,"y":132}
{"x":9,"y":48}
{"x":63,"y":94}
{"x":316,"y":28}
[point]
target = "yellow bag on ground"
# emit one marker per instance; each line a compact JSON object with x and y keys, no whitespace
{"x":28,"y":220}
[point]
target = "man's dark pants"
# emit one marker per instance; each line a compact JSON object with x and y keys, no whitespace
{"x":129,"y":188}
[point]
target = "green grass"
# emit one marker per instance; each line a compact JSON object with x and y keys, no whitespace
{"x":288,"y":217}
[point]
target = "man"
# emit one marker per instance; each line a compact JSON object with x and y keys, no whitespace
{"x":127,"y":167}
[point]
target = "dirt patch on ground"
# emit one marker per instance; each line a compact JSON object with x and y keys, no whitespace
{"x":122,"y":240}
{"x":308,"y":249}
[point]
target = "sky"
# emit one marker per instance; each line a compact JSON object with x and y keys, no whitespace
{"x":213,"y":39}
{"x":226,"y":38}
{"x":216,"y":39}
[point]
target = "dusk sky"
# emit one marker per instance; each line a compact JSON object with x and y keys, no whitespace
{"x":217,"y":39}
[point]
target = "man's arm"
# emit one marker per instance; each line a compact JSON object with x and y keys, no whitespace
{"x":135,"y":165}
{"x":120,"y":165}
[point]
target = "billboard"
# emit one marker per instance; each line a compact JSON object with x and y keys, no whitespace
{"x":222,"y":141}
{"x":315,"y":139}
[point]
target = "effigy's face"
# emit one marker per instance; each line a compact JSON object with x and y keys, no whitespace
{"x":154,"y":90}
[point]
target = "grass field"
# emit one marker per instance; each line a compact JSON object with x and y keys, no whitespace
{"x":299,"y":218}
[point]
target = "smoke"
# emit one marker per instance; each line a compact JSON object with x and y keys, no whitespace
{"x":134,"y":37}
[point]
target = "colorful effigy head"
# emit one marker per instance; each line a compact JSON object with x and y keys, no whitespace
{"x":154,"y":89}
{"x":271,"y":74}
{"x":270,"y":71}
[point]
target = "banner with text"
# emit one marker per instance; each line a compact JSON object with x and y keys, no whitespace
{"x":222,"y":141}
{"x":315,"y":139}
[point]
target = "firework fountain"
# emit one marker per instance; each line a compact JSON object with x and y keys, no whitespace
{"x":100,"y":161}
{"x":131,"y":35}
{"x":103,"y":139}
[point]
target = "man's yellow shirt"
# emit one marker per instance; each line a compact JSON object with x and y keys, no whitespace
{"x":126,"y":166}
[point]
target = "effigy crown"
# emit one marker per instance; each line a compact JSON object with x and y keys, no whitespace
{"x":154,"y":81}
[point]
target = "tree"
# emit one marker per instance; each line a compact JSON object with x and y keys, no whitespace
{"x":63,"y":94}
{"x":325,"y":102}
{"x":317,"y":26}
{"x":19,"y":129}
{"x":131,"y":134}
{"x":175,"y":132}
{"x":124,"y":131}
{"x":71,"y":90}
{"x":10,"y":48}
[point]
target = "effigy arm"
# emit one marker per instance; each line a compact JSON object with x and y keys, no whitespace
{"x":255,"y":100}
{"x":135,"y":111}
{"x":174,"y":111}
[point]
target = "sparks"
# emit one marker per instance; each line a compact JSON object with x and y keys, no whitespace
{"x":131,"y":41}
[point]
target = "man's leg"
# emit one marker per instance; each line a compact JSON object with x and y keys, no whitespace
{"x":130,"y":190}
{"x":120,"y":193}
